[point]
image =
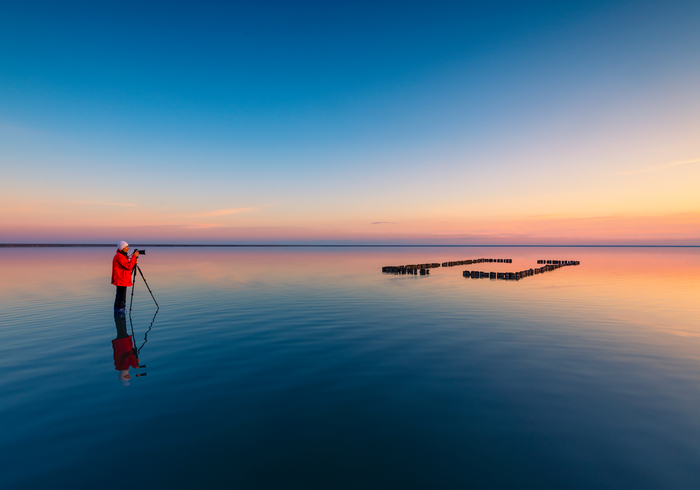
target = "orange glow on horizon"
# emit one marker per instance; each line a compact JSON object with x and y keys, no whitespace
{"x":679,"y":228}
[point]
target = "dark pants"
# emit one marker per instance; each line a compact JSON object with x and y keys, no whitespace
{"x":120,"y":300}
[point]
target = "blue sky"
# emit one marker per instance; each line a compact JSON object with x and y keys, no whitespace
{"x":308,"y":118}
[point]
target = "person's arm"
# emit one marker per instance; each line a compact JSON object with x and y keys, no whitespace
{"x":127,"y":264}
{"x":134,"y":258}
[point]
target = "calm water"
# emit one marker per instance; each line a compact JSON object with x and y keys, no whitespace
{"x":309,"y":368}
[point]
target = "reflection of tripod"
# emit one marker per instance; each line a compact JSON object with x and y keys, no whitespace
{"x":137,"y":350}
{"x":145,"y":336}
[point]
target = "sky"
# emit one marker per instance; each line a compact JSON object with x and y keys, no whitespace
{"x":359,"y":122}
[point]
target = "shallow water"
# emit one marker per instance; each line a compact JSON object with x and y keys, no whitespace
{"x":309,"y":368}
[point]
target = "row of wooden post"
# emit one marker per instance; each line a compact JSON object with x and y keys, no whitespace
{"x":407,"y":270}
{"x":476,"y":261}
{"x":519,"y":275}
{"x":399,"y":269}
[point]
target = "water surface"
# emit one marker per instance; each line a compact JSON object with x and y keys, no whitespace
{"x":309,"y":368}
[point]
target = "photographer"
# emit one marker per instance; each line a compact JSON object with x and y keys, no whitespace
{"x":122,"y":266}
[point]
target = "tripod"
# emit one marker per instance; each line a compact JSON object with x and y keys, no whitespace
{"x":133,"y":286}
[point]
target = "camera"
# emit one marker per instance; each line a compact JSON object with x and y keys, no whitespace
{"x":141,"y":252}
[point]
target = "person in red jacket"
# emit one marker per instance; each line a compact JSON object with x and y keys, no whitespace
{"x":122,"y":266}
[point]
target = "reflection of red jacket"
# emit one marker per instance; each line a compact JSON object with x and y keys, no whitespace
{"x":124,"y":356}
{"x":121,"y":269}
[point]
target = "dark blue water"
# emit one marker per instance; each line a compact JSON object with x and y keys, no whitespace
{"x":309,"y":368}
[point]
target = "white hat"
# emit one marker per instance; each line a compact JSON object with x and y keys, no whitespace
{"x":124,"y":377}
{"x":121,"y":245}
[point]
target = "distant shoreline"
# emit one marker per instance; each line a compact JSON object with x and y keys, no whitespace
{"x":58,"y":245}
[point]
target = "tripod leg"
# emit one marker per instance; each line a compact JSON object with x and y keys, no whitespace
{"x":146,"y":283}
{"x":133,"y":285}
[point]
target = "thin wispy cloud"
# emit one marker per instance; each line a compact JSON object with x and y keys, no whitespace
{"x":220,"y":212}
{"x":100,"y":203}
{"x":383,"y":222}
{"x":654,"y":168}
{"x":204,"y":226}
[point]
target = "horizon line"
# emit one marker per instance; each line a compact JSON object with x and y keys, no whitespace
{"x":238,"y":245}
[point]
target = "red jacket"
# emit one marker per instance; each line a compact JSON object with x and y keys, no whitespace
{"x":121,"y":269}
{"x":124,"y":356}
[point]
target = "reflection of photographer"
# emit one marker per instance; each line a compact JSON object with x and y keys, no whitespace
{"x":122,"y":266}
{"x":124,"y":353}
